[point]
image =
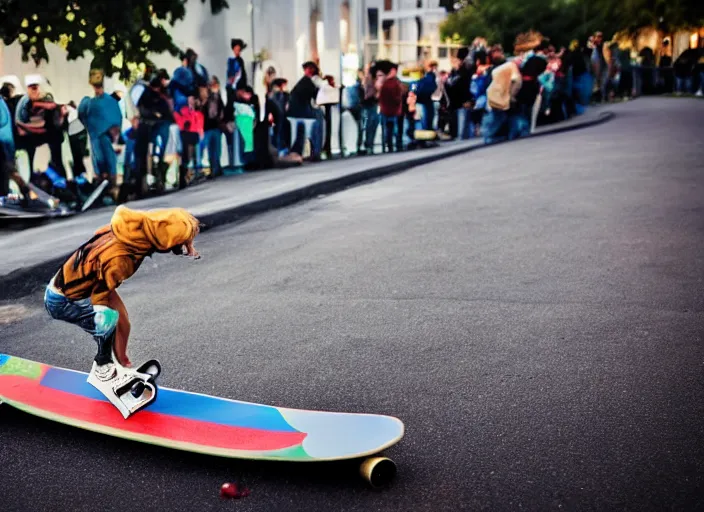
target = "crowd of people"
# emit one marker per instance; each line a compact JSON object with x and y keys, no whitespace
{"x":167,"y":121}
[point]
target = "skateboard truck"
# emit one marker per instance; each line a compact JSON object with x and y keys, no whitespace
{"x":129,"y":390}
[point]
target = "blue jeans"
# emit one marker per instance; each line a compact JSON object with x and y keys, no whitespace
{"x":465,"y":126}
{"x":98,"y":321}
{"x":428,"y":114}
{"x":315,"y":134}
{"x":212,"y":140}
{"x":391,"y":125}
{"x":582,"y":91}
{"x":161,"y":130}
{"x":520,"y":121}
{"x":103,"y":155}
{"x":495,"y":126}
{"x":683,"y":84}
{"x":370,"y":119}
{"x":500,"y":125}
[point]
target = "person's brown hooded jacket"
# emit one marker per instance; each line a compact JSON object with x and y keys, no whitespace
{"x":117,"y":250}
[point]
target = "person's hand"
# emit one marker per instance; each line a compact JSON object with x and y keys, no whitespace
{"x":124,"y":360}
{"x":135,"y":123}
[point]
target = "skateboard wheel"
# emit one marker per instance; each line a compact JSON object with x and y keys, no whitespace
{"x":137,"y":389}
{"x":378,"y":471}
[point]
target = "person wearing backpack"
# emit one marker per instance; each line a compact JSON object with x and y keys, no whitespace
{"x":501,"y":95}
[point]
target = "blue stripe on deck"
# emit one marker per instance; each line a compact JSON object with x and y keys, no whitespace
{"x":181,"y":404}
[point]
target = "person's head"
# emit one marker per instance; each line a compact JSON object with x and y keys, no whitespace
{"x":432,"y":66}
{"x":496,"y":55}
{"x":32,"y":83}
{"x":237,"y":46}
{"x":280,"y":84}
{"x":97,"y":79}
{"x":443,"y":76}
{"x":310,"y":69}
{"x":189,"y":58}
{"x":245,"y":94}
{"x":598,"y":38}
{"x":393,"y":71}
{"x":191,"y":102}
{"x":574,"y":45}
{"x":214,"y":84}
{"x":543,"y":48}
{"x":269,"y":76}
{"x":457,"y":60}
{"x":203,"y":93}
{"x":160,"y":80}
{"x":7,"y":90}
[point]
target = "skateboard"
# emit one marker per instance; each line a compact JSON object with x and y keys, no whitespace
{"x":205,"y":424}
{"x":98,"y":192}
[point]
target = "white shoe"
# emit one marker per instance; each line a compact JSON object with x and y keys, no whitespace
{"x":700,"y":93}
{"x":126,"y":389}
{"x":105,"y":372}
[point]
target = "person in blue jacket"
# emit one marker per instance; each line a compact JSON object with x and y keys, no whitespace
{"x":102,"y":118}
{"x":183,"y":81}
{"x":8,"y":169}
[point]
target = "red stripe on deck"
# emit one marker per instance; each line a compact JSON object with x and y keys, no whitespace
{"x":163,"y":426}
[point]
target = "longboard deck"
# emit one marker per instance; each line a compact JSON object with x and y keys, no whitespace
{"x":196,"y":422}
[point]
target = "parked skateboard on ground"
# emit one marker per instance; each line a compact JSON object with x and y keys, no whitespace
{"x":204,"y":424}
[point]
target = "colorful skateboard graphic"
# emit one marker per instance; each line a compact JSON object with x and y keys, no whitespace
{"x":202,"y":423}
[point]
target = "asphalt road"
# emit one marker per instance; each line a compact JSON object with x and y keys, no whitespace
{"x":533,"y":312}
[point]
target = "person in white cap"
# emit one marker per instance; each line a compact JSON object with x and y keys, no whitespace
{"x":40,"y":121}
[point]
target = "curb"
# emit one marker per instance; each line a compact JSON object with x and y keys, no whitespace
{"x":27,"y":280}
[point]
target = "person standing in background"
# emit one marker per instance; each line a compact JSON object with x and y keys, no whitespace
{"x":236,"y":71}
{"x":102,"y":118}
{"x":391,"y":109}
{"x":370,"y":106}
{"x":213,"y":110}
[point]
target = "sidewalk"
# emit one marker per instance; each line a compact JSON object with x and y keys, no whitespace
{"x":30,"y":257}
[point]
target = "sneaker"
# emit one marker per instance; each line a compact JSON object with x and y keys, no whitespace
{"x":700,"y":93}
{"x":105,"y":372}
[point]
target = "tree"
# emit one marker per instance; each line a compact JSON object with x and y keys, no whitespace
{"x":563,"y":20}
{"x":667,"y":15}
{"x":500,"y":21}
{"x":119,"y":33}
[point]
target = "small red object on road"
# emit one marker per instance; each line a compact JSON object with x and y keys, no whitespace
{"x":230,"y":490}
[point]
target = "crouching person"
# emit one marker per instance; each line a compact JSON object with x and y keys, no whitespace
{"x":84,"y":290}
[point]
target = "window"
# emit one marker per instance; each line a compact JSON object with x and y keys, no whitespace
{"x":373,"y":20}
{"x":388,"y":5}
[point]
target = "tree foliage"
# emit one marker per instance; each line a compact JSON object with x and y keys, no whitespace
{"x":118,"y":33}
{"x":563,"y":20}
